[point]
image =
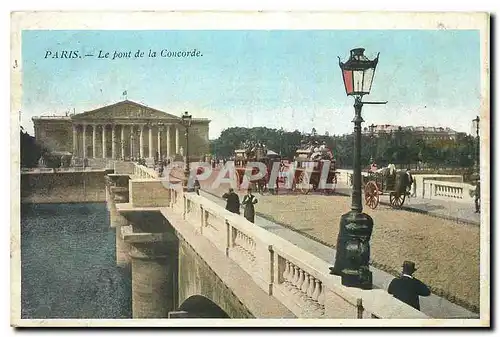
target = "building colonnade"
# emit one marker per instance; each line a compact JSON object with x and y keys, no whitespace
{"x":125,"y":141}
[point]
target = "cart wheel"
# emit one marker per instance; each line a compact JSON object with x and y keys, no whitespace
{"x":303,"y":184}
{"x":371,"y":194}
{"x":397,"y":200}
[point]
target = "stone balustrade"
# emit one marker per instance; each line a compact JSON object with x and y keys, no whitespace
{"x":431,"y":186}
{"x":449,"y":191}
{"x":298,"y":279}
{"x":60,"y":170}
{"x":144,"y":172}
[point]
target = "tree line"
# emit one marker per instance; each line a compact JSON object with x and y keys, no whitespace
{"x":403,"y":147}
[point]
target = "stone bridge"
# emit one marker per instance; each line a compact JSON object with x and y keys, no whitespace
{"x":189,"y":257}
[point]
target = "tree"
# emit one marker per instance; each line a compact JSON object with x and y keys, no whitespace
{"x":30,"y":151}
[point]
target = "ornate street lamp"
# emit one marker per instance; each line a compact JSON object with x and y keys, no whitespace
{"x":475,"y":125}
{"x":186,"y":121}
{"x":353,"y":242}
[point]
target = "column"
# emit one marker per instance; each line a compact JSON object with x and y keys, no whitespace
{"x":151,"y":141}
{"x":104,"y":141}
{"x":159,"y":143}
{"x":84,"y":145}
{"x":177,"y":144}
{"x":94,"y":145}
{"x":141,"y":142}
{"x":132,"y":148}
{"x":154,"y":269}
{"x":122,"y":144}
{"x":113,"y":142}
{"x":169,"y":148}
{"x":75,"y":141}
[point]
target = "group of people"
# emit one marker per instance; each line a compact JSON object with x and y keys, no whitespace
{"x":233,"y":204}
{"x":319,"y":151}
{"x":216,"y":162}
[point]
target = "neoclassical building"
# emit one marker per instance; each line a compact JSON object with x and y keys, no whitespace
{"x":121,"y":131}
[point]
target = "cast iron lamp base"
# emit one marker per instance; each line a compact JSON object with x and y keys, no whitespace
{"x":353,"y":250}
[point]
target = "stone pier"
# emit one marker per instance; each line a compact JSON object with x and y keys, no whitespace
{"x":117,"y":192}
{"x":147,"y":242}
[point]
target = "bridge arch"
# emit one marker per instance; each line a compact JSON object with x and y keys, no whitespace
{"x":201,"y":307}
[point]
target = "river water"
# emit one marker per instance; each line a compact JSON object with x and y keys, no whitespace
{"x":68,"y":263}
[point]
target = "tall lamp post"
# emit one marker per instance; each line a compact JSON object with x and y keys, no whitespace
{"x":475,"y":125}
{"x":186,"y":121}
{"x":353,"y":242}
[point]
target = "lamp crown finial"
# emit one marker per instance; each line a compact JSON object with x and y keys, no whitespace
{"x":357,"y":51}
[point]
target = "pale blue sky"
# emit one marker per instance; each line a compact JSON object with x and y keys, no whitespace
{"x":259,"y":78}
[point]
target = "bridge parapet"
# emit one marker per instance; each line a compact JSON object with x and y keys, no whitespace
{"x":448,"y":191}
{"x":37,"y":170}
{"x":298,"y":279}
{"x":144,"y":172}
{"x":147,"y":192}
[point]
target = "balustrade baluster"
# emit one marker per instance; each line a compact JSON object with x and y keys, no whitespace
{"x":237,"y":239}
{"x":286,"y":273}
{"x":241,"y":243}
{"x":316,"y":291}
{"x":296,"y":276}
{"x":247,"y":244}
{"x":321,"y":297}
{"x":301,"y":279}
{"x":310,"y":289}
{"x":305,"y":284}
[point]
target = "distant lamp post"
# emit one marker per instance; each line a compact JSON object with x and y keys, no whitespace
{"x":372,"y":136}
{"x":475,"y":126}
{"x":353,"y":242}
{"x":186,"y":121}
{"x":161,"y":128}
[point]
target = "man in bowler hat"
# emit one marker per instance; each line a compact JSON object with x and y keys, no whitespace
{"x":406,"y":288}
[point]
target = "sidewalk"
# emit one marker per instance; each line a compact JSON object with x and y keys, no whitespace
{"x":449,"y":210}
{"x":433,"y":306}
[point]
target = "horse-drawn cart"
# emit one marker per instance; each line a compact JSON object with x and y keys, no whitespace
{"x":309,"y":167}
{"x":386,"y":181}
{"x":255,"y":153}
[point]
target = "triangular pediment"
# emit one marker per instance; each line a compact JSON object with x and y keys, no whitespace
{"x":125,"y":110}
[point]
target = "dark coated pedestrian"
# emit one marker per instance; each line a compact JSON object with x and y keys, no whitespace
{"x":232,"y":201}
{"x":249,"y":200}
{"x":407,"y":288}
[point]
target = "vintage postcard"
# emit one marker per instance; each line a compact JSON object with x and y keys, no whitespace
{"x":250,"y":169}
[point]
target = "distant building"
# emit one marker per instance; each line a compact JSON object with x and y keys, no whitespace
{"x":120,"y":131}
{"x":424,"y":132}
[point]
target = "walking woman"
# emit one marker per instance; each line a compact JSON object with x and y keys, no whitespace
{"x":249,"y":200}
